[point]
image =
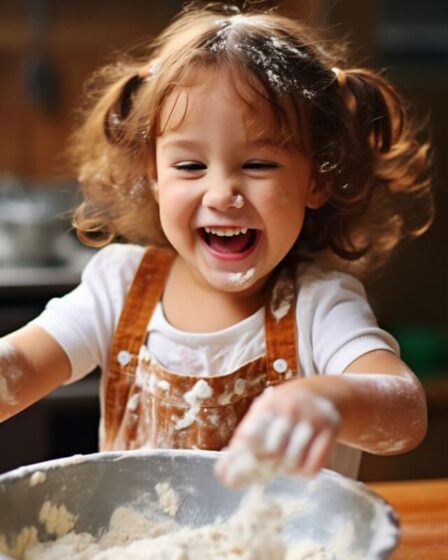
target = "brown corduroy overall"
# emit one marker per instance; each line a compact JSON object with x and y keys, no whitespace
{"x":145,"y":405}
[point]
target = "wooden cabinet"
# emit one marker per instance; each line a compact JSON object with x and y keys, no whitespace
{"x":79,"y":37}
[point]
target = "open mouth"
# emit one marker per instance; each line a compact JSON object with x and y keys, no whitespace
{"x":230,"y":240}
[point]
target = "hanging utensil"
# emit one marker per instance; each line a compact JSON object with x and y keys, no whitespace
{"x":41,"y":80}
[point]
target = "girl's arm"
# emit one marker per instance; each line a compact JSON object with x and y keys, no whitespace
{"x":383,"y":409}
{"x":378,"y":405}
{"x":32,"y":364}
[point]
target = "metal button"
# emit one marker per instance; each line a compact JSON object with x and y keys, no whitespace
{"x":123,"y":357}
{"x":280,"y":365}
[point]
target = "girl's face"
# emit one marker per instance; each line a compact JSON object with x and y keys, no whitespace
{"x":213,"y":147}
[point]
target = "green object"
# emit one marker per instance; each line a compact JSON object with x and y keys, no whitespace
{"x":423,"y":348}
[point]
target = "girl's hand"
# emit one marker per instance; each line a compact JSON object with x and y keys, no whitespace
{"x":286,"y":429}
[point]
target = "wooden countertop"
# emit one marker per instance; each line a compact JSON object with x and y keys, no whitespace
{"x":422,"y":507}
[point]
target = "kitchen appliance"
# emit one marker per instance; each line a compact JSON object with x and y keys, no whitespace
{"x":34,"y":223}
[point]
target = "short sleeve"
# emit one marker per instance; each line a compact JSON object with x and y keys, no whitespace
{"x":337,"y":321}
{"x":84,"y":320}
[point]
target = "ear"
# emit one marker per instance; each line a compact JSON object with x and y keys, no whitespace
{"x":155,"y":190}
{"x":317,"y":197}
{"x":151,"y":177}
{"x":150,"y":164}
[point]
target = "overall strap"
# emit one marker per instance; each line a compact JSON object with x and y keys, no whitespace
{"x":280,"y":328}
{"x":130,"y":334}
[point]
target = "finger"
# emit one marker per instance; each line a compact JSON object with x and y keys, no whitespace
{"x":276,"y":436}
{"x":319,"y":453}
{"x":221,"y":465}
{"x":240,"y":467}
{"x":252,"y":429}
{"x":328,"y":411}
{"x":298,"y":442}
{"x":230,"y":468}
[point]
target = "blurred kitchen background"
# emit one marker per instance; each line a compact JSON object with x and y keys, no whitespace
{"x":47,"y":50}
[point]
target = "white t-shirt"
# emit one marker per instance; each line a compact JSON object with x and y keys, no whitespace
{"x":335,"y":325}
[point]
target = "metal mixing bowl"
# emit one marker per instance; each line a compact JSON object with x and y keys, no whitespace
{"x":92,"y":486}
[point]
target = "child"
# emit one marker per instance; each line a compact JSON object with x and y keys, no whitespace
{"x":248,"y":168}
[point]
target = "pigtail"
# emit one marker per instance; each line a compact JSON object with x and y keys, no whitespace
{"x":116,"y":115}
{"x":115,"y":125}
{"x":112,"y":152}
{"x":375,"y":168}
{"x":376,"y":109}
{"x":401,"y":161}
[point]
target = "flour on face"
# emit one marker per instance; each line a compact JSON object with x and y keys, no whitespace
{"x":241,"y":278}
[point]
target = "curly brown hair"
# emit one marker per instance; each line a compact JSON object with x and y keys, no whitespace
{"x":365,"y":150}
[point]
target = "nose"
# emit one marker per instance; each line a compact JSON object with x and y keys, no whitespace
{"x":220,"y":194}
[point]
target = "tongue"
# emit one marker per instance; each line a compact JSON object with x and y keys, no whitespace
{"x":233,"y":244}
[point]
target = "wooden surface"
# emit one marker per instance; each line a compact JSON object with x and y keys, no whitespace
{"x":422,"y":507}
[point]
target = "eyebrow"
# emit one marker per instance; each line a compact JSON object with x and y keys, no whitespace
{"x":266,"y":142}
{"x":270,"y":142}
{"x":179,"y":143}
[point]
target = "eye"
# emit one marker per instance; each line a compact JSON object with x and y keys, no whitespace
{"x":260,"y":165}
{"x":190,"y":166}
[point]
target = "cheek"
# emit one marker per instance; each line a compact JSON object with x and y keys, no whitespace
{"x":282,"y":204}
{"x":175,"y":206}
{"x":285,"y":213}
{"x":278,"y":201}
{"x":269,"y":199}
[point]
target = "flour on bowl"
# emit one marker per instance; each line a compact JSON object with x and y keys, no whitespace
{"x":168,"y":499}
{"x":56,"y":519}
{"x":37,"y":478}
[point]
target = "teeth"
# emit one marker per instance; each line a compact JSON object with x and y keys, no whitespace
{"x":225,"y":232}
